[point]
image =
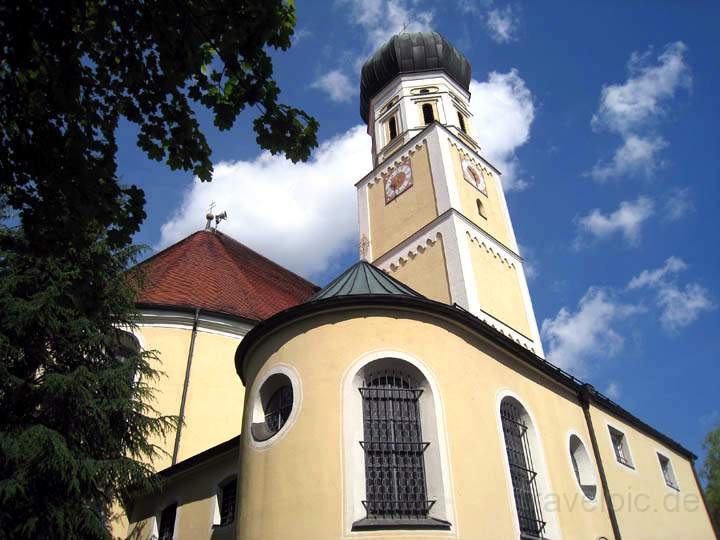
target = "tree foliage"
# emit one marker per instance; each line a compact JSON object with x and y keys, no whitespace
{"x":711,"y":473}
{"x":76,"y":425}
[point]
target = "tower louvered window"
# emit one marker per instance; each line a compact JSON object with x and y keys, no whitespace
{"x":393,"y":445}
{"x":522,"y":473}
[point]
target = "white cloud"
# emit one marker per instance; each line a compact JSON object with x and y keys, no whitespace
{"x":627,"y":220}
{"x":299,"y":35}
{"x":633,"y":108}
{"x":637,"y":154}
{"x":336,"y":85}
{"x":639,"y":100}
{"x":381,"y":19}
{"x":680,"y":307}
{"x":300,"y":215}
{"x":678,"y":204}
{"x":577,"y":338}
{"x":503,"y":112}
{"x":303,"y":215}
{"x":530,"y":264}
{"x":613,"y":391}
{"x":502,"y":24}
{"x":652,"y":278}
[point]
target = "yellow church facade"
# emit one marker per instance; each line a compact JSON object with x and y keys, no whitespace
{"x":409,"y":398}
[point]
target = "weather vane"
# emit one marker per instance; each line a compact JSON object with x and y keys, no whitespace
{"x":404,"y":28}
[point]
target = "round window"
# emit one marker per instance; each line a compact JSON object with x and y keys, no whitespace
{"x":273,"y":406}
{"x":583,"y":468}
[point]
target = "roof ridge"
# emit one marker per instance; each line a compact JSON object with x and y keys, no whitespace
{"x":168,"y":248}
{"x":346,"y":284}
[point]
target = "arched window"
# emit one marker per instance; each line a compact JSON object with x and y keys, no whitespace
{"x":395,"y":468}
{"x":123,"y":346}
{"x":582,"y":467}
{"x":428,"y":113}
{"x":394,"y":448}
{"x":166,"y":530}
{"x":392,"y":128}
{"x":523,"y":474}
{"x":481,"y":209}
{"x":461,"y":121}
{"x":227,"y":495}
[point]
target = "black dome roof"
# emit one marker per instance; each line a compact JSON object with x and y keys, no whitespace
{"x":410,"y":52}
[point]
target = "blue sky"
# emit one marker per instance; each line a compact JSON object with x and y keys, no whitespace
{"x":604,"y":118}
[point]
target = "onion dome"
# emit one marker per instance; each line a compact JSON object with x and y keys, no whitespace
{"x":410,"y":52}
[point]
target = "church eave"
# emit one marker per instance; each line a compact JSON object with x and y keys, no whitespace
{"x":458,"y":316}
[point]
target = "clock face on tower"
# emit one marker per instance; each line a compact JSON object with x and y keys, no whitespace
{"x":398,"y":181}
{"x":473,"y":175}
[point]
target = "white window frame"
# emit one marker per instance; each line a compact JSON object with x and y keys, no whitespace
{"x":552,"y":522}
{"x":592,"y":468}
{"x":673,"y":485}
{"x":257,"y":412}
{"x":438,"y":476}
{"x":155,"y":528}
{"x":218,"y":501}
{"x":630,"y":465}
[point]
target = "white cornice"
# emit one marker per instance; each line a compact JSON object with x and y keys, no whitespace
{"x":211,"y":324}
{"x":388,"y":165}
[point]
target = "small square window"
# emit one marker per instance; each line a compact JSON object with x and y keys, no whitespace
{"x":620,"y":445}
{"x":667,"y":471}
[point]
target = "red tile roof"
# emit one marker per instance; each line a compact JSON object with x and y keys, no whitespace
{"x":209,"y":270}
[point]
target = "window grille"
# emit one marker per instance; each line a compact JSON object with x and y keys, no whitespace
{"x":278,"y":408}
{"x":227,"y":502}
{"x":522,"y":473}
{"x":393,"y":445}
{"x":167,"y":523}
{"x":428,"y":113}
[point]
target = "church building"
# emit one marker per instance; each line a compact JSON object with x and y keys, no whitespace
{"x":410,"y":397}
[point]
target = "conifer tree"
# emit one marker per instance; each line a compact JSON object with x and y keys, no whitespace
{"x":77,"y":425}
{"x":711,"y":473}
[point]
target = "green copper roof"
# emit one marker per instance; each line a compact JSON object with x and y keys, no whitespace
{"x":363,"y":278}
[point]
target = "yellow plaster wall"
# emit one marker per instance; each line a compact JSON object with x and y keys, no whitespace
{"x":640,"y":495}
{"x":194,"y":492}
{"x":495,"y":223}
{"x":213,"y":413}
{"x":469,"y":374}
{"x":213,"y":409}
{"x":403,"y":216}
{"x":426,"y":272}
{"x":498,"y":287}
{"x":172,"y":346}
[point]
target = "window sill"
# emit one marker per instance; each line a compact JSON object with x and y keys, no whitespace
{"x":261,"y":432}
{"x":372,"y":524}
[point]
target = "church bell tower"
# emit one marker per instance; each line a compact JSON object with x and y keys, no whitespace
{"x":432,"y":212}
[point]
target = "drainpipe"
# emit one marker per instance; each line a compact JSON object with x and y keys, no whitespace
{"x":585,"y":395}
{"x":186,"y":383}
